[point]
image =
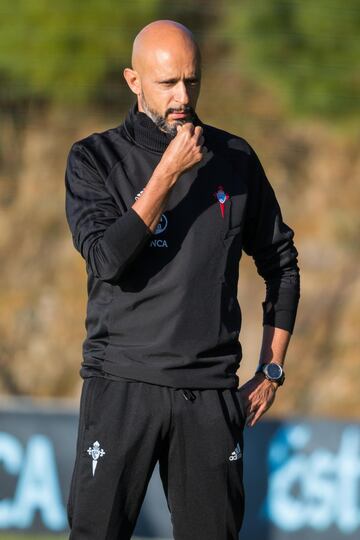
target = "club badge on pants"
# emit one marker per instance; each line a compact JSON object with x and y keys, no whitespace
{"x":95,"y":452}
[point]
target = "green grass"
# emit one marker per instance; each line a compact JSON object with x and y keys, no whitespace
{"x":39,"y":537}
{"x":31,"y":537}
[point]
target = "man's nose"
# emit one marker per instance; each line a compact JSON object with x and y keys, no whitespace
{"x":182,"y":93}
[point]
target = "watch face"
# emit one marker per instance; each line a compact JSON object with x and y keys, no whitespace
{"x":274,"y":371}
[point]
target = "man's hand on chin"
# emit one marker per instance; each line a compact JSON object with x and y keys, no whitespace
{"x":258,"y":395}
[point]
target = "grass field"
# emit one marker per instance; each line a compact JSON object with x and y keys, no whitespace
{"x":46,"y":537}
{"x":31,"y":537}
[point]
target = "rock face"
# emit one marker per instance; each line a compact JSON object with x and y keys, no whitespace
{"x":43,"y":288}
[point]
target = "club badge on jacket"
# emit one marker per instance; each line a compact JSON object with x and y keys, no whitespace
{"x":222,"y":197}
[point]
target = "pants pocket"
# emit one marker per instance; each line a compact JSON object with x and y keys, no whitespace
{"x":83,"y":424}
{"x":241,"y":404}
{"x":87,"y":401}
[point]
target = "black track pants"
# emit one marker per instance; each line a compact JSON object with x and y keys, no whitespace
{"x":125,"y":427}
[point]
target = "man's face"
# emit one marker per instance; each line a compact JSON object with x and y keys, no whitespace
{"x":170,"y":87}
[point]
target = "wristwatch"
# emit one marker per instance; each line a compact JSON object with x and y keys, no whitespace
{"x":272,"y":371}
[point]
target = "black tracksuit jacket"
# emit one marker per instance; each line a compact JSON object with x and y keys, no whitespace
{"x":162,"y":306}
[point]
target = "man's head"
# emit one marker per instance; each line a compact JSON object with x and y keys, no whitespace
{"x":165,"y":73}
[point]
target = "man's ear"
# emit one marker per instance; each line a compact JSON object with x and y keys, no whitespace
{"x":133,"y":80}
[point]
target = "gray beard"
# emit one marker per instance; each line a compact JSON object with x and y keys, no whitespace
{"x":160,"y":121}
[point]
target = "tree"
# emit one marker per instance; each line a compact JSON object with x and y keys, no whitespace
{"x":307,"y":49}
{"x":62,"y":50}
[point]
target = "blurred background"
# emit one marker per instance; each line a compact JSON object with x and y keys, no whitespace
{"x":283,"y":74}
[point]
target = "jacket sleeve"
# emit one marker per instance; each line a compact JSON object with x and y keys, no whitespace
{"x":107,"y":239}
{"x":270,"y":242}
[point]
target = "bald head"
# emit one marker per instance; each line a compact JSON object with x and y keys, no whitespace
{"x":159,"y":40}
{"x":165,"y":73}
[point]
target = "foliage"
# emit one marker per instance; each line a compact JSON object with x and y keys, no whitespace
{"x":308,"y":49}
{"x":61,"y":50}
{"x":72,"y":52}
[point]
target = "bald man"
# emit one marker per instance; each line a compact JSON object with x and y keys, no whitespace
{"x":161,"y":207}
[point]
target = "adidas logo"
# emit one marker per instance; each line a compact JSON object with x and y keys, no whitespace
{"x":236,"y":454}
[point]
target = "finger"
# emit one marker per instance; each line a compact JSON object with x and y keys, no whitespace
{"x":254,"y":404}
{"x":189,"y":127}
{"x":249,"y":418}
{"x":200,"y":141}
{"x":198,"y":130}
{"x":249,"y":409}
{"x":257,"y":415}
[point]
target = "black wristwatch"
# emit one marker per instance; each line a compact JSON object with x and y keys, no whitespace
{"x":273,"y":372}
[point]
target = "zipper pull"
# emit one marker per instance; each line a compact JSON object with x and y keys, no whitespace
{"x":188,"y":395}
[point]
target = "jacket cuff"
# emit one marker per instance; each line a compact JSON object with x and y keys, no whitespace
{"x":282,"y":313}
{"x":127,"y":235}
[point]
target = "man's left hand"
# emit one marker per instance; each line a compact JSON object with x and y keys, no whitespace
{"x":258,"y":395}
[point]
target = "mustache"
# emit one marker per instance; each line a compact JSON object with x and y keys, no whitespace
{"x":186,"y":110}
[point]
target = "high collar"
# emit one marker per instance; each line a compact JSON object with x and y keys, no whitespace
{"x":145,"y":133}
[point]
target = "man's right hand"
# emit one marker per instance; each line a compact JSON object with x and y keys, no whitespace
{"x":184,"y":151}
